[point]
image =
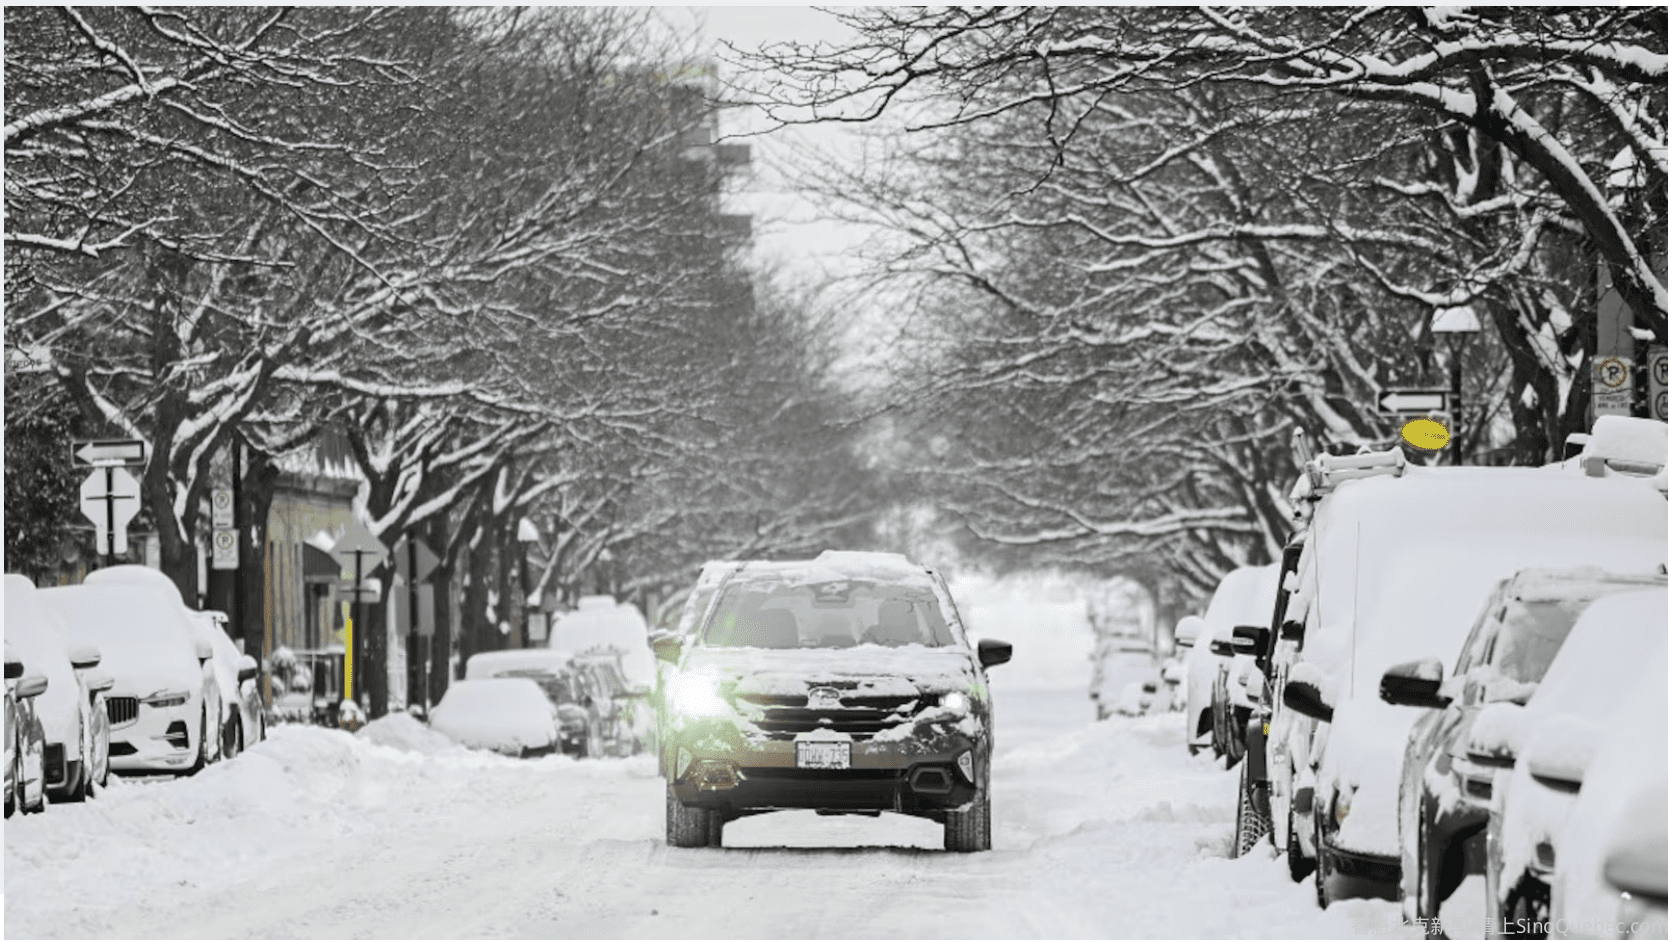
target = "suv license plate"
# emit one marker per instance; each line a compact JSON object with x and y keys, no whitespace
{"x":822,"y":755}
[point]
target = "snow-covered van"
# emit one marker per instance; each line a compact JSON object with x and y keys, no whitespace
{"x":843,"y":684}
{"x":1397,"y":563}
{"x":160,"y":705}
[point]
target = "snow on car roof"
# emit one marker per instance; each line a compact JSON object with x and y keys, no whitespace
{"x":1620,"y":437}
{"x":137,"y":627}
{"x":1408,"y":562}
{"x":836,"y":566}
{"x":617,"y":626}
{"x":1577,"y":582}
{"x":1244,"y":597}
{"x":491,"y":663}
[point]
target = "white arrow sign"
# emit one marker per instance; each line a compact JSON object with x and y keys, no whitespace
{"x":110,"y":497}
{"x":109,"y":451}
{"x":1413,"y":400}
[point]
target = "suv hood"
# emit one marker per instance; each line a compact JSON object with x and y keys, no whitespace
{"x":875,"y":670}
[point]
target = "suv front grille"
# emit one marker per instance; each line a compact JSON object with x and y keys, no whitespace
{"x":122,"y":709}
{"x":784,"y":716}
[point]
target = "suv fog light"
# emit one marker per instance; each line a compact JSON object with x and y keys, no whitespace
{"x":715,"y":774}
{"x":965,"y":767}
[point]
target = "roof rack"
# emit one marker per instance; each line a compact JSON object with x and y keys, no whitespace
{"x":1325,"y":472}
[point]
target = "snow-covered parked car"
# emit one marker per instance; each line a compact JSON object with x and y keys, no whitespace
{"x":72,"y":709}
{"x":1397,"y":563}
{"x":243,"y":717}
{"x":1621,"y":445}
{"x":843,"y":684}
{"x":581,"y":721}
{"x":509,"y":715}
{"x":1541,"y":750}
{"x":1244,"y":597}
{"x":160,"y":704}
{"x":604,"y":630}
{"x":25,"y":739}
{"x":1624,"y":791}
{"x":1444,"y":794}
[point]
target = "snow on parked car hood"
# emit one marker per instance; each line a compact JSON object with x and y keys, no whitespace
{"x":503,"y":714}
{"x":144,"y":641}
{"x":495,"y":663}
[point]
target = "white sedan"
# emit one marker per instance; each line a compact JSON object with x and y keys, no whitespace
{"x":505,"y":714}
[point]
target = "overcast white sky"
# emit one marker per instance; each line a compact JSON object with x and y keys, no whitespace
{"x":790,"y":230}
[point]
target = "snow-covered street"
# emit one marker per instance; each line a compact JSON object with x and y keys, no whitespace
{"x":1102,"y":829}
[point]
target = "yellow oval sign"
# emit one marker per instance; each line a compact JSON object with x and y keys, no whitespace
{"x":1427,"y":434}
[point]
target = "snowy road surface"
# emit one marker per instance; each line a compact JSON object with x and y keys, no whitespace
{"x":1102,"y":829}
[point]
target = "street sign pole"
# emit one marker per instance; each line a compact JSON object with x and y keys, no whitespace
{"x":1458,"y":430}
{"x":415,"y":671}
{"x":110,"y":515}
{"x":355,"y":617}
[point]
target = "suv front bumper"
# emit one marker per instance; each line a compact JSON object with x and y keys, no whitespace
{"x":922,"y":774}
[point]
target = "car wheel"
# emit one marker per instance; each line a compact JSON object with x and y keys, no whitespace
{"x":12,"y":793}
{"x":1423,"y":886}
{"x":972,"y":829}
{"x":1253,"y":822}
{"x":1528,"y":910}
{"x":83,"y":786}
{"x":1300,"y":866}
{"x":717,"y":821}
{"x":1321,"y":871}
{"x":594,"y":746}
{"x":198,"y":764}
{"x":40,"y":777}
{"x":231,"y":738}
{"x":686,"y":827}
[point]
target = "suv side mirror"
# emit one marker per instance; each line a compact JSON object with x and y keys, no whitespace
{"x":32,"y":685}
{"x":1187,"y":629}
{"x":1304,"y":697}
{"x":14,"y":670}
{"x":83,"y":657}
{"x":667,"y":646}
{"x":1414,"y":683}
{"x":98,"y":681}
{"x":247,"y":668}
{"x":1251,"y":639}
{"x":991,"y":652}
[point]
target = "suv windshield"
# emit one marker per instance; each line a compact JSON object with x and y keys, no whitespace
{"x":827,"y":615}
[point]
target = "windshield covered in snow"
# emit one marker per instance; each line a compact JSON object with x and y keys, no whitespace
{"x":837,"y":614}
{"x":1530,"y":638}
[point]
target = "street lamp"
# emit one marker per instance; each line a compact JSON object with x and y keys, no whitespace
{"x":1457,"y":324}
{"x":526,"y":535}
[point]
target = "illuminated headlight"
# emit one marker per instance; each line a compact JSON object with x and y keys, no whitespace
{"x":695,"y":695}
{"x":166,"y":699}
{"x":956,"y":702}
{"x":1340,"y":805}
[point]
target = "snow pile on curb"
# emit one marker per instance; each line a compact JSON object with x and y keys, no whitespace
{"x":400,"y":731}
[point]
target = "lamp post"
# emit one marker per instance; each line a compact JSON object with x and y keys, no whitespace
{"x":1457,"y":324}
{"x":527,"y":536}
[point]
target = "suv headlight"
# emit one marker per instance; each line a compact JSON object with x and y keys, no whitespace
{"x":696,"y":695}
{"x":166,"y":698}
{"x":956,"y":702}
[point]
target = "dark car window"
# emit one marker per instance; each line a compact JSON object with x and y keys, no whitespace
{"x":775,"y":614}
{"x":557,"y":688}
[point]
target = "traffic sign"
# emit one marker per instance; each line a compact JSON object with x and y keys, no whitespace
{"x":100,"y":452}
{"x":221,"y":508}
{"x":1612,"y":386}
{"x":404,"y":553}
{"x":224,"y":549}
{"x":110,"y":497}
{"x":1397,"y":401}
{"x":359,"y":545}
{"x":400,"y":597}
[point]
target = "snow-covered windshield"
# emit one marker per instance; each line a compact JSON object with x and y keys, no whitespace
{"x":838,"y":614}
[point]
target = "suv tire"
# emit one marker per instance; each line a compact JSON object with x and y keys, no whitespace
{"x":1253,"y":823}
{"x":972,"y":829}
{"x":686,"y":827}
{"x":1300,"y":867}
